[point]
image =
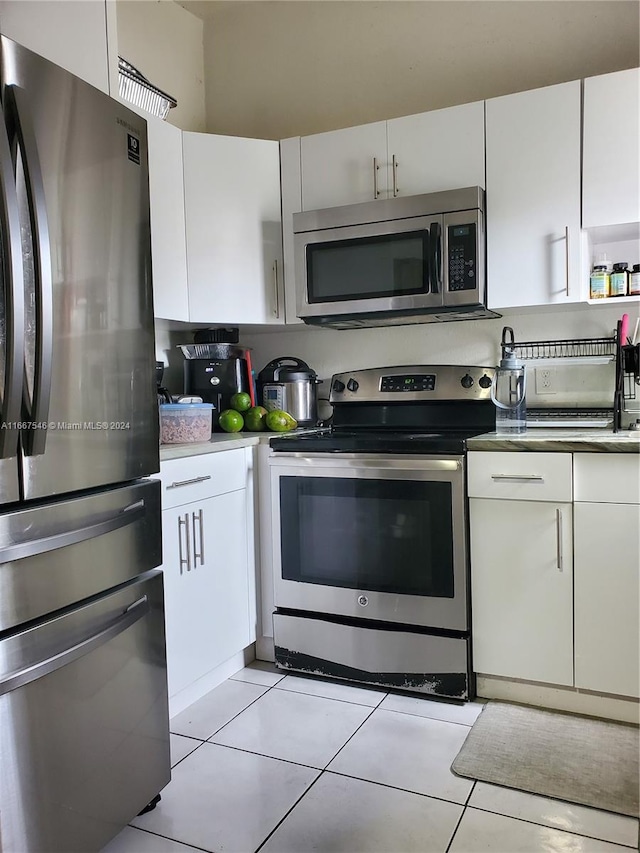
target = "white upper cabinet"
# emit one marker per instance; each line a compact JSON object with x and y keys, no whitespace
{"x":291,"y":187}
{"x":69,"y":33}
{"x":533,"y":197}
{"x":423,"y":153}
{"x":344,"y":166}
{"x":437,"y":151}
{"x":168,"y":244}
{"x":611,"y":153}
{"x":233,"y":227}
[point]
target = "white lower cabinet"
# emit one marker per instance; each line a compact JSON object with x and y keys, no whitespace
{"x":207,"y":564}
{"x":520,"y":516}
{"x":607,"y":570}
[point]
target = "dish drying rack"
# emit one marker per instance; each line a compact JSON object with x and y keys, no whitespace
{"x":134,"y":87}
{"x":589,"y":351}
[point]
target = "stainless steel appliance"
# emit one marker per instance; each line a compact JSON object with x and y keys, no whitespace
{"x":84,"y":740}
{"x":289,"y":384}
{"x":370,"y":530}
{"x":401,"y":260}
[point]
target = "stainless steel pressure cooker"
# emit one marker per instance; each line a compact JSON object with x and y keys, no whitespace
{"x":289,"y":384}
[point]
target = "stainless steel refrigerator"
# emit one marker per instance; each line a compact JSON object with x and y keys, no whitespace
{"x":84,"y":742}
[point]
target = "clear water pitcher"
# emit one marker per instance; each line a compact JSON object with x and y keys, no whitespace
{"x":508,"y":388}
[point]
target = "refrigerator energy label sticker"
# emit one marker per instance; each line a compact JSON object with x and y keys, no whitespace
{"x":133,"y":148}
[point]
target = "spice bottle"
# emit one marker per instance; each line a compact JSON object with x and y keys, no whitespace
{"x":619,"y":284}
{"x":599,"y":282}
{"x":634,"y":281}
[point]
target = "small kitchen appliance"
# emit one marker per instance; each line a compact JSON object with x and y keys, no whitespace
{"x":413,"y":259}
{"x":163,"y":395}
{"x":371,"y":565}
{"x":289,"y":384}
{"x":216,"y":370}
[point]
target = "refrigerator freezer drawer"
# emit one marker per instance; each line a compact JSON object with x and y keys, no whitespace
{"x":59,"y":553}
{"x":84,"y":729}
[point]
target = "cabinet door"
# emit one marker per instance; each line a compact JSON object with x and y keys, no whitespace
{"x":607,"y":595}
{"x":533,"y":197}
{"x":206,"y":585}
{"x":344,"y":166}
{"x":437,"y":151}
{"x":168,"y":244}
{"x":234,"y":233}
{"x":71,"y":34}
{"x":611,"y":163}
{"x":521,"y":588}
{"x":291,"y":187}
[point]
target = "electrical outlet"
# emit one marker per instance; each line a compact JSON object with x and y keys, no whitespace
{"x":545,"y":380}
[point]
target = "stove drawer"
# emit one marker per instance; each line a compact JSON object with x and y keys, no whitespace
{"x":520,"y":476}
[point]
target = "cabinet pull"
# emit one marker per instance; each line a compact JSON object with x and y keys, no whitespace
{"x":394,"y":164}
{"x":184,"y":561}
{"x":189,"y":482}
{"x":198,"y":556}
{"x":560,"y":559}
{"x":276,"y":301}
{"x":527,"y":477}
{"x":376,"y":191}
{"x":566,"y":251}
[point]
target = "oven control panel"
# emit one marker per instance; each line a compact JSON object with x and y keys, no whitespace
{"x":413,"y":383}
{"x":407,"y":382}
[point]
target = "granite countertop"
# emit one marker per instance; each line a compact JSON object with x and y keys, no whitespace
{"x":219,"y":441}
{"x":561,"y":440}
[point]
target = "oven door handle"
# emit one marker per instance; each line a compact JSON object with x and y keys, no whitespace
{"x":387,"y":462}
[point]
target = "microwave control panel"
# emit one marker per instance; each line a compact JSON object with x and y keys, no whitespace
{"x":462,"y":259}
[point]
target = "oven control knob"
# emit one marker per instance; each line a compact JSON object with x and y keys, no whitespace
{"x":352,"y":385}
{"x":363,"y":600}
{"x":337,"y":385}
{"x":466,"y":381}
{"x":484,"y":381}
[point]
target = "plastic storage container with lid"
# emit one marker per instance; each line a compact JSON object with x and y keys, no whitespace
{"x":185,"y":423}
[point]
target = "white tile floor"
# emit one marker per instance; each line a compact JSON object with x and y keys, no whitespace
{"x":284,"y":764}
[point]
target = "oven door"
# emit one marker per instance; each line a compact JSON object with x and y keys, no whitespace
{"x":379,"y":266}
{"x":377,"y":537}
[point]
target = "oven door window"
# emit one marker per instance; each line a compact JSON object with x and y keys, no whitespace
{"x":390,"y":536}
{"x":368,"y":267}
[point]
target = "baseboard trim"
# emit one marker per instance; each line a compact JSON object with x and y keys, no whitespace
{"x":605,"y":706}
{"x":264,"y":649}
{"x":190,"y":694}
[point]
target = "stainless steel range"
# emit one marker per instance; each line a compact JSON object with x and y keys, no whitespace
{"x":370,"y":531}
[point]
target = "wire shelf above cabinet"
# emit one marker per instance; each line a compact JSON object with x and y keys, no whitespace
{"x":577,"y":350}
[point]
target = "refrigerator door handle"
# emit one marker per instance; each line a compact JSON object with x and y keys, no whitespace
{"x":35,"y":438}
{"x":33,"y":547}
{"x":125,"y":620}
{"x":13,"y":275}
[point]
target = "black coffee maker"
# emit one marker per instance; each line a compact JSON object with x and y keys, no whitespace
{"x":216,"y":368}
{"x":163,"y":395}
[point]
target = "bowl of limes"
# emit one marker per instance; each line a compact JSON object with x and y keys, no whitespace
{"x":243,"y":416}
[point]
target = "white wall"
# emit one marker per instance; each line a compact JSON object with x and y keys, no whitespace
{"x":280,"y":69}
{"x":165,"y":43}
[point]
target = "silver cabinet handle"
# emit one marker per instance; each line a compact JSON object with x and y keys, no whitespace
{"x":560,"y":557}
{"x":198,"y":555}
{"x":189,"y":482}
{"x":394,"y":164}
{"x":526,"y":477}
{"x":566,"y":250}
{"x":184,"y":561}
{"x":276,"y":301}
{"x":376,"y":191}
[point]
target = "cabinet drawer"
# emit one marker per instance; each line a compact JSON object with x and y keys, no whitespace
{"x":520,"y":475}
{"x":607,"y":477}
{"x":198,"y":477}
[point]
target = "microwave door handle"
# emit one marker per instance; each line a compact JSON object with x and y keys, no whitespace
{"x":13,"y":295}
{"x":435,"y":245}
{"x":16,"y":100}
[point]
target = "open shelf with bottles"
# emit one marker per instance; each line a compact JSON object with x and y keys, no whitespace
{"x":611,"y":244}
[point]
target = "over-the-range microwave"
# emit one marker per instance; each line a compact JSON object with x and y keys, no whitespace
{"x":400,"y":260}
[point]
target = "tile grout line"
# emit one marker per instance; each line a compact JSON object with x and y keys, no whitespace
{"x":168,"y":838}
{"x":457,"y":826}
{"x":285,"y":816}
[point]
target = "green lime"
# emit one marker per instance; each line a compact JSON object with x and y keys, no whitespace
{"x":231,"y":421}
{"x":241,"y":401}
{"x":254,"y":419}
{"x":280,"y":421}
